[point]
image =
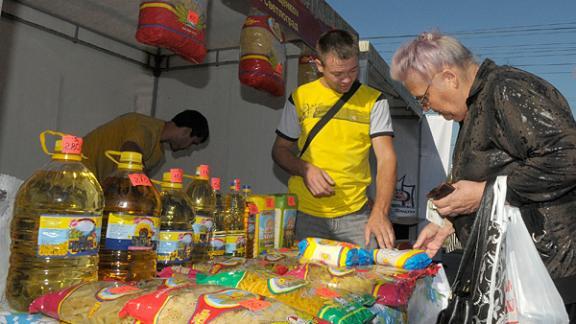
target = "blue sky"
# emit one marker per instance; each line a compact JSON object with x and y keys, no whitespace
{"x":537,"y":36}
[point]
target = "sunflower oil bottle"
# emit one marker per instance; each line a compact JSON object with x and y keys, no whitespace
{"x":55,"y":230}
{"x":234,"y":221}
{"x":131,"y":221}
{"x":176,"y":233}
{"x":218,"y":240}
{"x":203,"y":200}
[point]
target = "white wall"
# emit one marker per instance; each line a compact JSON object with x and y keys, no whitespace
{"x":242,"y":124}
{"x":47,"y":82}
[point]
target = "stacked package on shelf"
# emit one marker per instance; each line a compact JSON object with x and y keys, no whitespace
{"x":286,"y":209}
{"x":260,"y":225}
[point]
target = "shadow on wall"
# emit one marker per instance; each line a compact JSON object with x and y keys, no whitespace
{"x":262,"y":98}
{"x":6,"y":39}
{"x":196,"y":77}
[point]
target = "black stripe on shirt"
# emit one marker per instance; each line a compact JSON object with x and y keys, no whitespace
{"x":286,"y":137}
{"x":382,"y":134}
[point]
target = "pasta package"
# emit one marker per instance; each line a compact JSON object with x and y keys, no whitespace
{"x":332,"y":253}
{"x":209,"y":304}
{"x":96,"y":302}
{"x":277,"y":263}
{"x":263,"y":56}
{"x":388,"y":285}
{"x":411,"y":259}
{"x":177,"y":25}
{"x":328,"y":304}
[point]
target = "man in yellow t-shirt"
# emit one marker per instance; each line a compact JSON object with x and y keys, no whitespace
{"x":144,"y":134}
{"x":332,"y":174}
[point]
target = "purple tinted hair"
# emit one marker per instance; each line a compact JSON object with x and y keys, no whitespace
{"x":428,"y":54}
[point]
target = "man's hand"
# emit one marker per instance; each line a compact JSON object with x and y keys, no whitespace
{"x":432,"y":237}
{"x":464,"y":200}
{"x":318,"y":181}
{"x":379,"y":225}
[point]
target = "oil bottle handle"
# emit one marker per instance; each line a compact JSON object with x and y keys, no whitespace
{"x":190,"y":176}
{"x":157,"y":182}
{"x":109,"y":154}
{"x":43,"y":139}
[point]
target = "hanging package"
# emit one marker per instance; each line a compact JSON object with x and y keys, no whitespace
{"x":263,"y":56}
{"x":177,"y":25}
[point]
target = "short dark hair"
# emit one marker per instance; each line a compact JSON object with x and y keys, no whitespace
{"x":194,"y":120}
{"x":339,"y":42}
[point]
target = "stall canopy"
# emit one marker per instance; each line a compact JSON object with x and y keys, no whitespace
{"x":110,"y":26}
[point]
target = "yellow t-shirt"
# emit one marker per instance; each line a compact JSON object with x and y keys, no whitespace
{"x":143,"y":130}
{"x":341,"y":148}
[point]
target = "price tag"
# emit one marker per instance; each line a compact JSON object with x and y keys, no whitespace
{"x":255,"y":304}
{"x":71,"y":144}
{"x":193,"y":17}
{"x":252,"y":208}
{"x":204,"y":171}
{"x":291,"y":201}
{"x":139,"y":179}
{"x":270,"y":202}
{"x":326,"y":292}
{"x":176,"y":175}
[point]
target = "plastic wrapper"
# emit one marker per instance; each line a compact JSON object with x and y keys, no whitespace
{"x":404,"y":259}
{"x":278,"y":262}
{"x":332,"y":253}
{"x":390,"y":286}
{"x":8,"y":188}
{"x":430,"y":296}
{"x":332,"y":305}
{"x":97,"y":302}
{"x":389,"y":315}
{"x":263,"y":56}
{"x":177,"y":25}
{"x":209,"y":304}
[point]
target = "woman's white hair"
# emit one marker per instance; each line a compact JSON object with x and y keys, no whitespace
{"x":428,"y":54}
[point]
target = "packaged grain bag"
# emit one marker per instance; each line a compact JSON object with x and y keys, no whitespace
{"x":335,"y":306}
{"x":262,"y":55}
{"x":96,"y":302}
{"x":177,"y":25}
{"x":209,"y":304}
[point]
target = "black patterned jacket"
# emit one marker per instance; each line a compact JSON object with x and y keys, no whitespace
{"x":521,"y":126}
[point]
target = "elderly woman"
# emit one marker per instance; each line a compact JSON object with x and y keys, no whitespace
{"x":511,"y":123}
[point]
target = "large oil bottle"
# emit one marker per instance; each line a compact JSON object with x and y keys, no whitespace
{"x":203,"y":200}
{"x":234,"y":221}
{"x":131,"y":221}
{"x":55,"y":230}
{"x":176,"y":233}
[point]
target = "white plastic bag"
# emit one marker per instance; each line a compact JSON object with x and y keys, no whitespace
{"x":8,"y":188}
{"x":430,"y":296}
{"x":531,"y":296}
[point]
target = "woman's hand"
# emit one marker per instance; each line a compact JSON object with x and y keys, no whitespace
{"x":432,"y":237}
{"x":464,"y":200}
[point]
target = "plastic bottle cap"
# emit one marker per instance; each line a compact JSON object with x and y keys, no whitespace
{"x":203,"y":171}
{"x":58,"y":146}
{"x":60,"y":155}
{"x":133,"y":157}
{"x":215,"y":182}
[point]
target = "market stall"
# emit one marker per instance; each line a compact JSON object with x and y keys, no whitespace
{"x":73,"y":65}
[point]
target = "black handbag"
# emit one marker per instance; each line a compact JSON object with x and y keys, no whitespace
{"x":473,"y":282}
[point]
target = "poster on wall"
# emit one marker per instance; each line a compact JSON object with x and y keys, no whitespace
{"x":405,"y":199}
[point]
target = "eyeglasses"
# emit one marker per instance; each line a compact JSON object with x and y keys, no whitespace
{"x":424,"y":100}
